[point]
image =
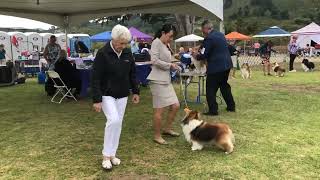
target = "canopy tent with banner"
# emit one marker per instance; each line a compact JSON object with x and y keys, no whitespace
{"x":73,"y":12}
{"x":238,"y":36}
{"x":140,"y":35}
{"x":273,"y":31}
{"x":101,"y":37}
{"x":188,"y":38}
{"x":308,"y":34}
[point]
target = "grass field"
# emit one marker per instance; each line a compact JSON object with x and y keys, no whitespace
{"x":276,"y":128}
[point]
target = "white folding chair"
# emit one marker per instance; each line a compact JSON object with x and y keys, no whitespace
{"x":61,"y":87}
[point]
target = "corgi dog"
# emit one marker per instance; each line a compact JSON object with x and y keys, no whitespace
{"x":199,"y":133}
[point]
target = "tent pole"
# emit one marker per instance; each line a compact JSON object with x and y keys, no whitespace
{"x":222,"y":27}
{"x":244,"y":48}
{"x":66,"y":26}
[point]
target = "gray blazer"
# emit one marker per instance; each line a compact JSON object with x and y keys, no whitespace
{"x":161,"y":63}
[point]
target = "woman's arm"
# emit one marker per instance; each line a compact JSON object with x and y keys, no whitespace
{"x":97,"y":73}
{"x":133,"y":79}
{"x":155,"y":57}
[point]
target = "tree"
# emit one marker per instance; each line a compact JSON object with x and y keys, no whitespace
{"x":284,"y":14}
{"x":246,"y":10}
{"x":185,"y":24}
{"x":227,"y":4}
{"x":240,"y":12}
{"x":240,"y":25}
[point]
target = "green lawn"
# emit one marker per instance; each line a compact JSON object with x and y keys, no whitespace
{"x":276,"y":128}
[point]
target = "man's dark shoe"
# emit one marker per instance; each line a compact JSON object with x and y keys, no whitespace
{"x":210,"y":114}
{"x":231,"y":110}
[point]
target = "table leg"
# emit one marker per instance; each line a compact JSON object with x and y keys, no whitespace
{"x":199,"y":90}
{"x":84,"y":83}
{"x":203,"y":82}
{"x":186,"y":90}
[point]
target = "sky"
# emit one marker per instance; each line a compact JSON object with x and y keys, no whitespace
{"x":14,"y":22}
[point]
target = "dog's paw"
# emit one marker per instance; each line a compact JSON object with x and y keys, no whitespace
{"x":196,"y":148}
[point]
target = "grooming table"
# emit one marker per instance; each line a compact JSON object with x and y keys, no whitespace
{"x":199,"y":79}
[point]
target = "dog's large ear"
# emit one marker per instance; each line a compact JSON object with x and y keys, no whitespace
{"x":187,"y":110}
{"x":193,"y":115}
{"x":198,"y":115}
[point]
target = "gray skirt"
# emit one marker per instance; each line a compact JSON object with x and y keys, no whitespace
{"x":163,"y":95}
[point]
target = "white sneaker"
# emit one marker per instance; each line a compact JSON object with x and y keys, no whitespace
{"x":106,"y":164}
{"x":293,"y":70}
{"x":115,"y":161}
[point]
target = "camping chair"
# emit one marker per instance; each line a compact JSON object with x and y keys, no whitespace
{"x":61,"y":87}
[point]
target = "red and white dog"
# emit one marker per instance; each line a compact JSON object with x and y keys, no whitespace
{"x":199,"y":133}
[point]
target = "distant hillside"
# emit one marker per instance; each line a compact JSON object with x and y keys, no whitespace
{"x":253,"y":16}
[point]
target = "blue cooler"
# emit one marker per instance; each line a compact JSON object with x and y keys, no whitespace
{"x":41,"y":77}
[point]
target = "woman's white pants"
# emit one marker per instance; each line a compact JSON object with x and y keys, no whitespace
{"x":114,"y":110}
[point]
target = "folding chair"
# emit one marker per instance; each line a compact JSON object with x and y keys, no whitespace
{"x":61,"y":87}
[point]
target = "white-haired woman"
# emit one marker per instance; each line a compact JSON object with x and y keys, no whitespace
{"x":113,"y":77}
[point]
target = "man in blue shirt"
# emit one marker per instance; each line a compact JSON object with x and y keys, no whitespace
{"x":217,"y":54}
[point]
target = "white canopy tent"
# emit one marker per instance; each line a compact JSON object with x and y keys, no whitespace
{"x":307,"y":34}
{"x":64,"y":13}
{"x":11,"y":22}
{"x":188,"y":38}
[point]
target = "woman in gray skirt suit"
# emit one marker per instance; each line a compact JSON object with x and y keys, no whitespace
{"x":163,"y":93}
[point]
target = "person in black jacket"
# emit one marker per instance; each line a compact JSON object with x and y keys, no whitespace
{"x":68,"y":73}
{"x":113,"y":76}
{"x":217,"y":54}
{"x":265,"y":54}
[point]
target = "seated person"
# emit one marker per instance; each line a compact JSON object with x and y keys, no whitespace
{"x":68,"y":73}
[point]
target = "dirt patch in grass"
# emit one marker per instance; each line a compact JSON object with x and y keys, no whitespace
{"x":133,"y":176}
{"x":296,"y":88}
